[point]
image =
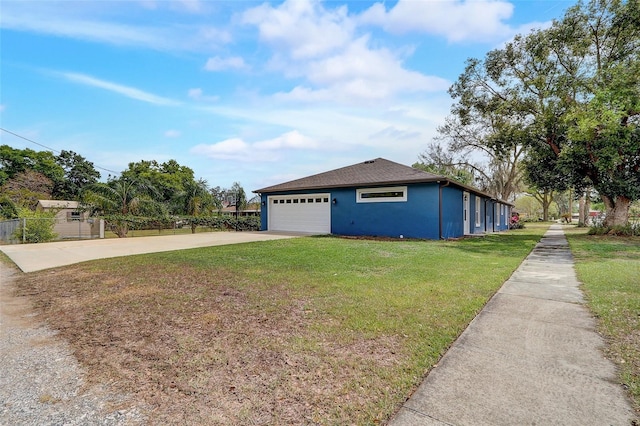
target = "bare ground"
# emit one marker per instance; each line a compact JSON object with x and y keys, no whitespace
{"x":197,"y":347}
{"x":40,"y":381}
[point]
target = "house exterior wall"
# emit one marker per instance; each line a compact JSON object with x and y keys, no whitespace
{"x":417,"y":217}
{"x":490,"y":215}
{"x":452,"y":212}
{"x":504,"y":211}
{"x":66,"y":227}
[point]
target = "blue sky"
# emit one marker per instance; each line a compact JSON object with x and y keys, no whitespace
{"x":253,"y":92}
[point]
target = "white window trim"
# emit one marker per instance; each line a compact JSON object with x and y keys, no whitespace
{"x":478,"y":219}
{"x":361,"y":191}
{"x":498,"y":208}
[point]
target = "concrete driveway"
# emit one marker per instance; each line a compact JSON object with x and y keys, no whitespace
{"x":36,"y":257}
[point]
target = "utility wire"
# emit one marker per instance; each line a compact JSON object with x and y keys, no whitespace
{"x":50,"y":149}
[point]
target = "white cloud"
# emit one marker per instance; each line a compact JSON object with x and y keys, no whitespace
{"x":456,"y":20}
{"x":220,"y":64}
{"x":302,"y":27}
{"x":360,"y":73}
{"x":171,"y":133}
{"x":319,"y":46}
{"x":267,"y":150}
{"x":77,"y":22}
{"x":198,"y":95}
{"x":195,"y":93}
{"x":192,"y":5}
{"x":231,"y":149}
{"x":290,"y":140}
{"x":393,"y":133}
{"x":130,"y":92}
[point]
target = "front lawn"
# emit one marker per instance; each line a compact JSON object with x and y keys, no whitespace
{"x":316,"y":330}
{"x":609,"y":268}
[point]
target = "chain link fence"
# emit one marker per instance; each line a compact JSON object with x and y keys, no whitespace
{"x":36,"y":230}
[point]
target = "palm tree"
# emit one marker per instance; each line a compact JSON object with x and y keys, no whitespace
{"x":121,"y":198}
{"x":195,"y":199}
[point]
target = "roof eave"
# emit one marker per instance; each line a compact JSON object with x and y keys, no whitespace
{"x":269,"y":190}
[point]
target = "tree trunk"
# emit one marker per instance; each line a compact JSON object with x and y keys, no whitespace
{"x":545,"y":199}
{"x":617,"y":210}
{"x":587,"y":210}
{"x":581,"y":216}
{"x":546,"y":202}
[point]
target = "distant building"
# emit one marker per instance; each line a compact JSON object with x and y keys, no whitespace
{"x":71,"y":221}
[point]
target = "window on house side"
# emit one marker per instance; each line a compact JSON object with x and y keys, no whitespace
{"x":74,"y":216}
{"x":381,"y":195}
{"x":477,"y":211}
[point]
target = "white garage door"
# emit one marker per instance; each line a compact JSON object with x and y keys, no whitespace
{"x":300,"y":213}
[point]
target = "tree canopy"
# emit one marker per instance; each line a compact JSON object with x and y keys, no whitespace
{"x":168,"y":178}
{"x":78,"y":173}
{"x":67,"y":172}
{"x":14,"y":161}
{"x":570,"y":95}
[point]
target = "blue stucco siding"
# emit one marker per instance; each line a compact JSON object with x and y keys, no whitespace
{"x":452,"y":212}
{"x":505,"y":216}
{"x":264,"y":212}
{"x":415,"y":218}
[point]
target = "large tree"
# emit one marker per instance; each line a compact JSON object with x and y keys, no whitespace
{"x":25,"y":188}
{"x":491,"y":139}
{"x":573,"y":90}
{"x":437,"y":160}
{"x":168,"y":178}
{"x":14,"y":161}
{"x":78,"y":173}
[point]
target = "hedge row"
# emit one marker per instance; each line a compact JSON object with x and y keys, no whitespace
{"x":222,"y":222}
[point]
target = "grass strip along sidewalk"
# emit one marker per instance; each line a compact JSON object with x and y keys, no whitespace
{"x":316,"y":330}
{"x":609,"y":269}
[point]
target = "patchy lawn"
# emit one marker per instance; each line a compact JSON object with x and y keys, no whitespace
{"x":316,"y":330}
{"x":609,"y":268}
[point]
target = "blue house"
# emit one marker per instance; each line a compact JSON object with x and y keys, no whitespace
{"x":381,"y":198}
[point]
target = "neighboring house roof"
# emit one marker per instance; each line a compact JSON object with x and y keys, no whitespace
{"x":58,"y":204}
{"x":373,"y":172}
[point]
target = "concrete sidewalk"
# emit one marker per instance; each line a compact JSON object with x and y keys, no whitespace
{"x":35,"y":257}
{"x":532,"y":356}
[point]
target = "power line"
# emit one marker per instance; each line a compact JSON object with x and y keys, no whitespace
{"x":50,"y":149}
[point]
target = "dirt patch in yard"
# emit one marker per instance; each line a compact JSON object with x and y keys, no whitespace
{"x":204,"y":347}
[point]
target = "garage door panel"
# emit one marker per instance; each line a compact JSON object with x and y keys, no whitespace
{"x":300,"y":213}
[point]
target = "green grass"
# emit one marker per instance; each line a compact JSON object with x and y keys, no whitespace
{"x":609,"y":268}
{"x":336,"y":331}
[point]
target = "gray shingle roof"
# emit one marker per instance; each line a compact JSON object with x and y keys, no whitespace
{"x":372,"y":172}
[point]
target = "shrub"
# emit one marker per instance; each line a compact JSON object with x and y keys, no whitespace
{"x":628,"y":230}
{"x":36,"y":227}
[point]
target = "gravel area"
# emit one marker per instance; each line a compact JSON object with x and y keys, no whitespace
{"x":41,"y":382}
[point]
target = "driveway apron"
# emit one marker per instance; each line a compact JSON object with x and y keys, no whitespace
{"x":532,"y":356}
{"x":35,"y":257}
